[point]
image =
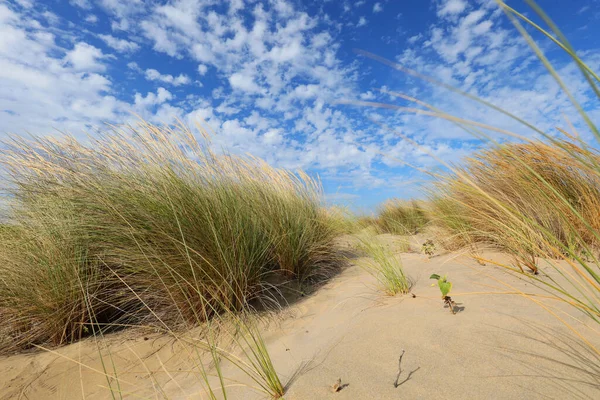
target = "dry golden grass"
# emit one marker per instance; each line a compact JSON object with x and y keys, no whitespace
{"x":401,"y":217}
{"x":530,"y":199}
{"x":145,"y":225}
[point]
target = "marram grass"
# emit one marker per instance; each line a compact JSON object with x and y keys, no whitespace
{"x":383,"y":264}
{"x":146,"y":224}
{"x":529,"y":199}
{"x":401,"y":217}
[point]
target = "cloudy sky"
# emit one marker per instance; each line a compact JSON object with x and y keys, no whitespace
{"x":271,"y":78}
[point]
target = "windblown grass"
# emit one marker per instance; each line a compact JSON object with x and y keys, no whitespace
{"x":401,"y":217}
{"x":366,"y":222}
{"x":345,"y":219}
{"x":531,"y":199}
{"x":383,"y":264}
{"x":235,"y":339}
{"x":258,"y":365}
{"x":145,"y":224}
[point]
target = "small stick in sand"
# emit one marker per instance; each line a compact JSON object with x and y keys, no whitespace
{"x":399,"y":369}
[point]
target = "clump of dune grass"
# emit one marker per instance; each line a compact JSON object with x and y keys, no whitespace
{"x":383,"y":264}
{"x":401,"y":217}
{"x":45,"y":280}
{"x":530,"y":199}
{"x":534,"y":200}
{"x":366,"y":222}
{"x":344,"y":218}
{"x":234,"y":339}
{"x":256,"y":362}
{"x":148,"y":218}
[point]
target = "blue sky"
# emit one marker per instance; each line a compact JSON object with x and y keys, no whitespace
{"x":268,"y":77}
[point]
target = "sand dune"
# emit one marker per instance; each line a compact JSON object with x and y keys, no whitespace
{"x":496,"y":346}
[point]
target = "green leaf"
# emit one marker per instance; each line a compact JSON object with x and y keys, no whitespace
{"x":445,"y":286}
{"x":434,"y":276}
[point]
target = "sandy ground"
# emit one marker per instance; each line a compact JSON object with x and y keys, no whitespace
{"x":498,"y":346}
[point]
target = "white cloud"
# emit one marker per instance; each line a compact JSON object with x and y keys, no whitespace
{"x":123,"y":12}
{"x":583,"y":9}
{"x":154,"y":75}
{"x":451,"y":7}
{"x":121,"y":45}
{"x":272,"y":137}
{"x":368,"y":95}
{"x":25,"y":3}
{"x":202,"y":69}
{"x":415,"y":38}
{"x":377,"y":8}
{"x":85,"y":4}
{"x":52,"y":18}
{"x":160,"y":37}
{"x":306,"y":91}
{"x":85,"y":57}
{"x":134,"y":66}
{"x":120,"y":25}
{"x":91,"y":18}
{"x":283,"y":8}
{"x":243,"y":81}
{"x":6,"y":15}
{"x":42,"y":90}
{"x":151,"y":99}
{"x":122,"y":9}
{"x":362,"y":21}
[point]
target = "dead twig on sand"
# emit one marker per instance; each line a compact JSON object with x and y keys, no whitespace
{"x":399,"y":369}
{"x":408,"y":377}
{"x":396,"y":383}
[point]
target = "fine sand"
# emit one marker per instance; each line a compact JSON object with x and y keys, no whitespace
{"x":497,"y":346}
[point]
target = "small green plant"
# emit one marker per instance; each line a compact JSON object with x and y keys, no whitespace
{"x":445,"y":286}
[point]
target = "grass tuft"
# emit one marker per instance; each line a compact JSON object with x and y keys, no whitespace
{"x":146,"y":225}
{"x":401,"y":217}
{"x":383,"y":264}
{"x":529,"y":199}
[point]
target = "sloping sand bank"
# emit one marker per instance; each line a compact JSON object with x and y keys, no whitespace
{"x":498,"y":346}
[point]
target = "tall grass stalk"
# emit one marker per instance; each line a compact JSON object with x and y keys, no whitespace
{"x":383,"y":264}
{"x":256,"y":361}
